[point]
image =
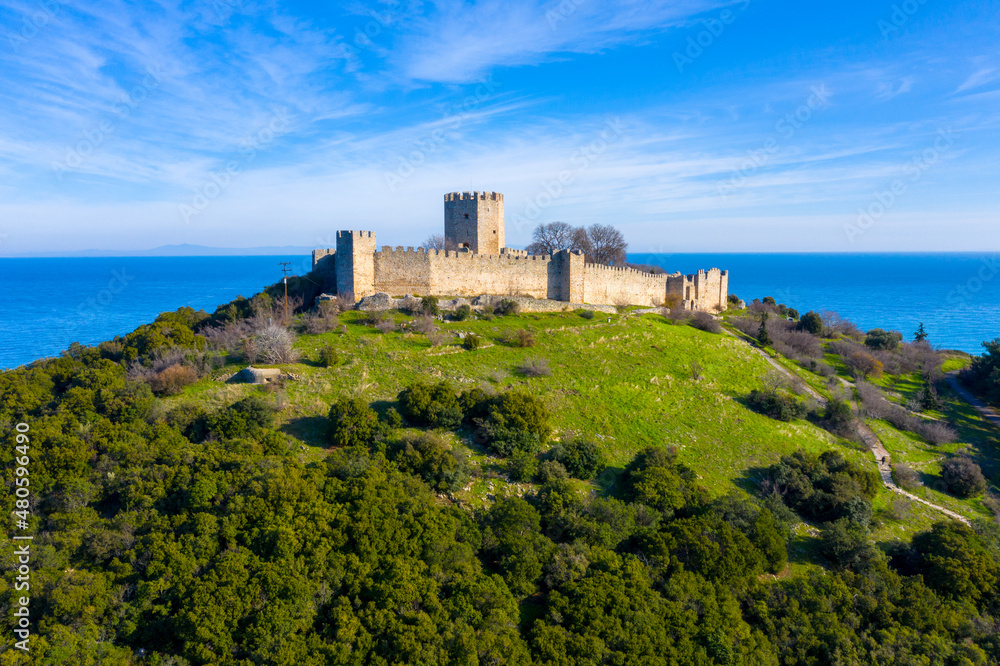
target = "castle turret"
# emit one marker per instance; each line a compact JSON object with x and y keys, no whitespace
{"x":474,"y":220}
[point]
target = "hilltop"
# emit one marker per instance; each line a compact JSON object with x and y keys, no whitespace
{"x":470,"y":485}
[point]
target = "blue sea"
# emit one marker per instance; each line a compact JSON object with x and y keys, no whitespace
{"x":51,"y":302}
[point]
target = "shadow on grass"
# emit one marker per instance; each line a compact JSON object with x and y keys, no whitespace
{"x":311,"y":430}
{"x":751,"y":480}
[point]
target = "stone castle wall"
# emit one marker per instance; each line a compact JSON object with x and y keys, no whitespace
{"x":622,"y":286}
{"x":475,"y":220}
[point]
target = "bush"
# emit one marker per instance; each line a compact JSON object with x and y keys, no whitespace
{"x":552,"y":471}
{"x":586,"y":314}
{"x":353,"y":423}
{"x":880,"y":339}
{"x":535,"y":367}
{"x":393,"y":419}
{"x":472,"y":342}
{"x":506,"y":307}
{"x":387,"y":325}
{"x":838,"y":415}
{"x":424,"y":325}
{"x":581,"y":457}
{"x":703,"y":321}
{"x":521,"y":337}
{"x":328,"y":357}
{"x":429,"y":306}
{"x":776,"y":404}
{"x":522,"y":466}
{"x":963,"y":477}
{"x":824,"y":487}
{"x":514,"y":421}
{"x":244,"y":418}
{"x":271,"y":345}
{"x":462,"y":312}
{"x":905,"y":477}
{"x":431,"y":405}
{"x":173,"y":379}
{"x":983,"y":375}
{"x":429,"y":456}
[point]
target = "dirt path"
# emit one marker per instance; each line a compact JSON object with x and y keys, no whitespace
{"x":984,"y":410}
{"x":882,"y":457}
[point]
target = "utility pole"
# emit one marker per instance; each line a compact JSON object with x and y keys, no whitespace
{"x":284,"y":272}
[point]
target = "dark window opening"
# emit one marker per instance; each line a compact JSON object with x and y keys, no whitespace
{"x":466,"y":216}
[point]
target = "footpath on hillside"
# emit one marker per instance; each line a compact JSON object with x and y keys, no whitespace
{"x":882,"y":457}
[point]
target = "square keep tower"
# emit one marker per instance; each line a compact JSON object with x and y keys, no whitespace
{"x":474,"y":220}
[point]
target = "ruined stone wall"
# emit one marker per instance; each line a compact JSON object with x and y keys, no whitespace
{"x":622,"y":286}
{"x":704,"y":290}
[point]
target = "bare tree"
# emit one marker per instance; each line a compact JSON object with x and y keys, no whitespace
{"x":607,"y":245}
{"x":439,"y":242}
{"x":555,"y":236}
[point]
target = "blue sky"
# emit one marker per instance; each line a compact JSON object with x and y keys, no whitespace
{"x":693,"y":125}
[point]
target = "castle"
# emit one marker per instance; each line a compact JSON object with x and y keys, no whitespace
{"x":474,"y":224}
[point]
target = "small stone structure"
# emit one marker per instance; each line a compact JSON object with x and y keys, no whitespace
{"x":251,"y":375}
{"x":474,"y":224}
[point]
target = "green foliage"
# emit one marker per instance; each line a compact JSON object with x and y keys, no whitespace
{"x":248,"y":417}
{"x":656,"y":479}
{"x":776,"y":404}
{"x":432,"y":405}
{"x":393,"y":419}
{"x":328,"y":356}
{"x":763,"y":337}
{"x":824,"y":487}
{"x":515,"y":421}
{"x":984,"y":372}
{"x":846,"y":544}
{"x":429,"y":305}
{"x":353,"y":423}
{"x":586,"y":314}
{"x":506,"y":307}
{"x":838,"y":415}
{"x":522,"y":466}
{"x":811,"y":322}
{"x":955,"y":562}
{"x":881,"y":339}
{"x":921,"y":333}
{"x":513,"y":544}
{"x":443,"y":466}
{"x":581,"y":456}
{"x":163,"y":334}
{"x":472,"y":342}
{"x":462,"y":312}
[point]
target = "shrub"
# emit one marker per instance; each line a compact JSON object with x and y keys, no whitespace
{"x":173,"y":379}
{"x":963,"y":477}
{"x":586,"y":314}
{"x":838,"y":415}
{"x":733,"y":300}
{"x":472,"y":342}
{"x":462,"y":312}
{"x":905,"y":477}
{"x":703,"y":321}
{"x":429,"y":306}
{"x":244,"y":418}
{"x":581,"y":457}
{"x":824,"y":487}
{"x":429,"y":456}
{"x":328,"y":357}
{"x":535,"y":367}
{"x":386,"y":325}
{"x":522,"y":466}
{"x":353,"y":423}
{"x":424,"y":325}
{"x":514,"y":421}
{"x":432,"y":405}
{"x":506,"y":307}
{"x":438,"y":338}
{"x":776,"y":404}
{"x":983,"y":375}
{"x":552,"y":471}
{"x":880,"y":339}
{"x":763,"y":338}
{"x":393,"y":419}
{"x":811,"y":322}
{"x":272,"y":344}
{"x":521,"y":337}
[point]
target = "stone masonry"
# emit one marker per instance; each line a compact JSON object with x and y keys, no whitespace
{"x":474,"y":224}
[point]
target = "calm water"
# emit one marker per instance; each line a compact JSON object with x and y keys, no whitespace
{"x":50,"y":303}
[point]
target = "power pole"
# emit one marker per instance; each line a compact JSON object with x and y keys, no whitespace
{"x":284,"y":272}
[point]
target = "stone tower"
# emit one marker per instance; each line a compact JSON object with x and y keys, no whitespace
{"x":474,"y":220}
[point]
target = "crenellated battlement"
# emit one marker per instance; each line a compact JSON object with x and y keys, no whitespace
{"x":481,"y":264}
{"x":472,"y":196}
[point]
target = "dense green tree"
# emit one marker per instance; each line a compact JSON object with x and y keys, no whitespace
{"x":353,"y":423}
{"x":581,"y":456}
